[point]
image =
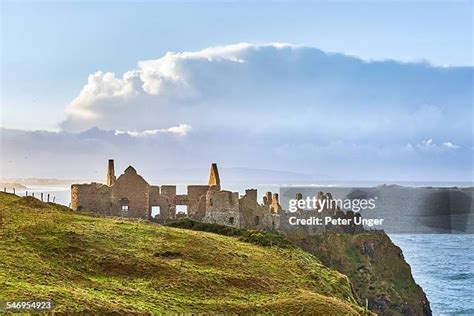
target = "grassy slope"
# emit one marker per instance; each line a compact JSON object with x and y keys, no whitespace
{"x":97,"y":264}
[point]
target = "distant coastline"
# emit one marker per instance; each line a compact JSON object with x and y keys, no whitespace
{"x":24,"y":183}
{"x":12,"y":185}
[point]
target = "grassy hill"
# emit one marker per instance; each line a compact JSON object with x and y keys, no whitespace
{"x":93,"y":264}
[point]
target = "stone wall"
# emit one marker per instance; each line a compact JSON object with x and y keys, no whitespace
{"x":222,"y":207}
{"x":247,"y":207}
{"x":196,"y":201}
{"x":130,"y":188}
{"x":156,"y":199}
{"x":256,"y":216}
{"x":169,"y":192}
{"x":94,"y":197}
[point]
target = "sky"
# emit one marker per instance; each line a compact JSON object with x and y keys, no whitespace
{"x":48,"y":49}
{"x":370,"y":90}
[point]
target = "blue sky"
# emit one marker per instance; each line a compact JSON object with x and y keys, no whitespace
{"x":49,"y":49}
{"x":362,"y":91}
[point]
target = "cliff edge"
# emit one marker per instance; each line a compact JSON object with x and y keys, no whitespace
{"x":376,"y":268}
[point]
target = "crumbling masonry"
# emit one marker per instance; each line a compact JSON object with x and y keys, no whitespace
{"x":130,"y":195}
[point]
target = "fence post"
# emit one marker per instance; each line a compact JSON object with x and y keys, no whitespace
{"x":48,"y":197}
{"x":41,"y":196}
{"x":33,"y":194}
{"x":26,"y":193}
{"x":54,"y":198}
{"x":14,"y":191}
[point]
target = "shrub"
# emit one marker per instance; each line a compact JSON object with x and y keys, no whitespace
{"x":257,"y":237}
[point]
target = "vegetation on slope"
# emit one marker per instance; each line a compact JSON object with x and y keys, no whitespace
{"x":374,"y":264}
{"x":95,"y":264}
{"x":257,"y":237}
{"x":376,"y":268}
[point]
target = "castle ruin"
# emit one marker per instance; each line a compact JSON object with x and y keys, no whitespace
{"x":130,"y":195}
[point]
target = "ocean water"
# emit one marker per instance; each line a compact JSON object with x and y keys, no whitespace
{"x":442,"y":264}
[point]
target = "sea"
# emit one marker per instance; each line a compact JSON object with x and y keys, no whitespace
{"x":442,"y":264}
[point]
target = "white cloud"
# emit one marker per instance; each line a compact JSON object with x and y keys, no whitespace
{"x":101,"y":86}
{"x":426,"y":143}
{"x":429,"y":144}
{"x":156,"y":87}
{"x":450,"y":145}
{"x":279,"y":90}
{"x":180,"y":130}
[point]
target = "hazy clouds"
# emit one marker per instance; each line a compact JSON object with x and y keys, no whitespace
{"x":272,"y":106}
{"x":265,"y":88}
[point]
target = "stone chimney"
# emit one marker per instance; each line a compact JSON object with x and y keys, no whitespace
{"x":267,"y":199}
{"x":275,"y":205}
{"x":110,"y":173}
{"x":275,"y":198}
{"x":214,"y":176}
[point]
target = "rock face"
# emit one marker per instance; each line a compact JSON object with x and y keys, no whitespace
{"x":376,"y":268}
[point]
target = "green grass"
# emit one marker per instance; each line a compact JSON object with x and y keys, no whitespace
{"x":96,"y":264}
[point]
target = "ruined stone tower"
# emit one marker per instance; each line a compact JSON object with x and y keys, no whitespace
{"x":214,"y":176}
{"x":110,"y":173}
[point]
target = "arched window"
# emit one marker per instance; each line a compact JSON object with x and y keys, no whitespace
{"x":231,"y":220}
{"x":257,"y":220}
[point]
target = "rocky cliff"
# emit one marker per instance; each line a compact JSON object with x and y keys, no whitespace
{"x":376,"y":268}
